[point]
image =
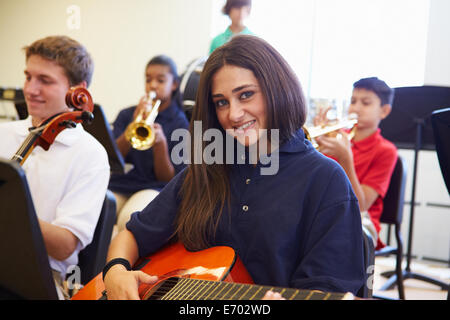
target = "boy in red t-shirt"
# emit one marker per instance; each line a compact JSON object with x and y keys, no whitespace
{"x":368,"y":158}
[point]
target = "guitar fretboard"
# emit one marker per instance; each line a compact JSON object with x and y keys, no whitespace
{"x":194,"y":289}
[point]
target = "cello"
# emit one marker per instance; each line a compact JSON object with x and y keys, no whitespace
{"x":45,"y":133}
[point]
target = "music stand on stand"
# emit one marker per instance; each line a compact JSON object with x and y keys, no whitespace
{"x":411,"y":113}
{"x":440,"y":120}
{"x":15,"y":95}
{"x":25,"y":272}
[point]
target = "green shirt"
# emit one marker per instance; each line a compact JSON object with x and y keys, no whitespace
{"x":224,"y":37}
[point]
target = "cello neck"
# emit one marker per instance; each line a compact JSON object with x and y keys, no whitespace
{"x":27,"y":146}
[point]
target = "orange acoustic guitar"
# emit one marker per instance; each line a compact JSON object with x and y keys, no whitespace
{"x":212,"y":274}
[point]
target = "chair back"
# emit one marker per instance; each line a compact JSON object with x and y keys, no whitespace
{"x":92,"y":259}
{"x":100,"y":129}
{"x":394,"y":200}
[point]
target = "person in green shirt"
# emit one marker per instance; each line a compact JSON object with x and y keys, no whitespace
{"x":237,"y":11}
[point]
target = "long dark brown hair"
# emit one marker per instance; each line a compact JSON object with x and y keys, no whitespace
{"x":206,"y":188}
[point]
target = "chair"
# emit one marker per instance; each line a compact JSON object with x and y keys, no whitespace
{"x":392,"y":215}
{"x":189,"y":84}
{"x":100,"y":129}
{"x":92,"y":259}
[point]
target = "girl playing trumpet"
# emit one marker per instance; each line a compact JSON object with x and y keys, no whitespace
{"x":152,"y":168}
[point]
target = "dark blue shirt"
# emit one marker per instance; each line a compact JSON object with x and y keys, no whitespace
{"x":298,"y":228}
{"x":142,"y":176}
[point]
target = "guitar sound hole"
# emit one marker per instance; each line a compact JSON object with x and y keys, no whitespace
{"x":158,"y":291}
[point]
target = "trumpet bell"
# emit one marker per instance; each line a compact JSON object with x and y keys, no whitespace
{"x":140,"y":135}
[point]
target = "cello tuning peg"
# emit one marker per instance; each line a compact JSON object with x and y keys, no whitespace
{"x":68,"y":124}
{"x":87,"y":117}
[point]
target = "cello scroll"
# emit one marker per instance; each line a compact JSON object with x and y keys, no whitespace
{"x":80,"y":99}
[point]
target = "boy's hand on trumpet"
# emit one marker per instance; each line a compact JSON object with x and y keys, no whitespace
{"x":338,"y":147}
{"x":335,"y":144}
{"x":321,"y":118}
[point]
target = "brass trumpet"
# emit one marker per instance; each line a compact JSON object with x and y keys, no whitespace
{"x":331,"y":129}
{"x":140,"y":132}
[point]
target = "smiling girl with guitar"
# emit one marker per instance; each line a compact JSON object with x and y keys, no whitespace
{"x":299,"y":227}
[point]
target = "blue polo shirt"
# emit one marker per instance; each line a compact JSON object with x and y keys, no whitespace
{"x":142,"y":176}
{"x":299,"y":228}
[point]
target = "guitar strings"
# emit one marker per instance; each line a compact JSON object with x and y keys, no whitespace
{"x":197,"y":289}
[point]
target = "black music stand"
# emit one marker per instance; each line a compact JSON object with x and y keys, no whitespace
{"x":440,"y":120}
{"x":15,"y":95}
{"x":409,"y":127}
{"x":101,"y":130}
{"x":25,"y":271}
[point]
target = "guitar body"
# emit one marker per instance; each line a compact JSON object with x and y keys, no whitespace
{"x":214,"y":264}
{"x":212,"y":274}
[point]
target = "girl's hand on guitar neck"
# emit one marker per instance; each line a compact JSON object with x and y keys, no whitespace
{"x":122,"y":284}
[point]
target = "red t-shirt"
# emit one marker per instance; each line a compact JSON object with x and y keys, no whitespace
{"x":374,"y":159}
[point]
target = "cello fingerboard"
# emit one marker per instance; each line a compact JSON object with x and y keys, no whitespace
{"x":195,"y":289}
{"x":26,"y":147}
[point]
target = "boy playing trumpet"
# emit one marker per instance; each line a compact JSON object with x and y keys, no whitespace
{"x":367,"y":158}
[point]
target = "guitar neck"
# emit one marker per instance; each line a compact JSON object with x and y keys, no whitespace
{"x":195,"y":289}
